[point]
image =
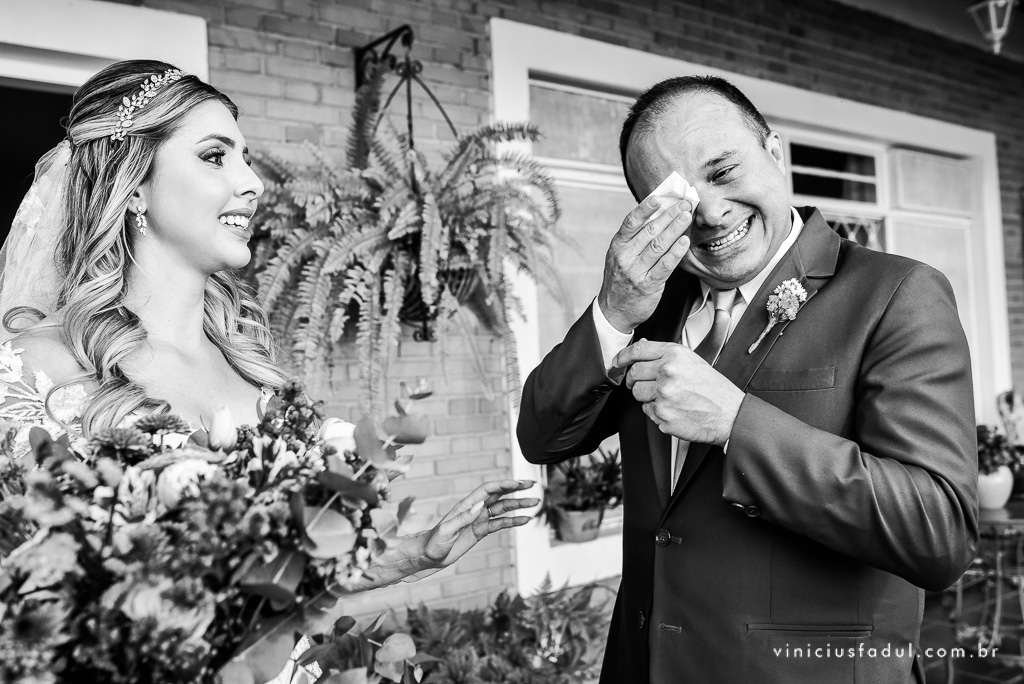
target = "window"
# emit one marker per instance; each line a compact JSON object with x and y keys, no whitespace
{"x":836,"y":174}
{"x":843,"y":178}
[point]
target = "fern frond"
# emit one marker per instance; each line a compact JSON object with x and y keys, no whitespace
{"x":447,"y":306}
{"x":494,"y":133}
{"x":363,"y":246}
{"x":528,"y":172}
{"x":364,"y":117}
{"x":543,"y":271}
{"x":276,"y":276}
{"x":274,"y":166}
{"x":368,"y":343}
{"x":394,"y":287}
{"x":407,"y":220}
{"x":313,"y":333}
{"x":430,"y":248}
{"x":315,"y":197}
{"x":389,"y":152}
{"x":326,"y":165}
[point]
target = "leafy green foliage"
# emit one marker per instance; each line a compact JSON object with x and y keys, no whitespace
{"x":994,"y":450}
{"x":555,"y":637}
{"x":358,"y":242}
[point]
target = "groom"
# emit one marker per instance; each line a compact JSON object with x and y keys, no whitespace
{"x":788,"y":496}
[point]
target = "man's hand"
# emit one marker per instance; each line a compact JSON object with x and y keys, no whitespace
{"x":640,"y":259}
{"x":680,"y":392}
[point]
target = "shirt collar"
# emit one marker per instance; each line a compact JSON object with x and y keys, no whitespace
{"x":750,"y":288}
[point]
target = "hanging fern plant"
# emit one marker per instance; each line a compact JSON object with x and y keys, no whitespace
{"x":389,"y":240}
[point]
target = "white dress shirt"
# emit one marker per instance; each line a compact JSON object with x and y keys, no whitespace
{"x":699,"y":320}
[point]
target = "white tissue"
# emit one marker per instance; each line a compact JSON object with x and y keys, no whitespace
{"x":675,"y":186}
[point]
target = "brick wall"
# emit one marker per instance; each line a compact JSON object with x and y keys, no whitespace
{"x":289,"y":65}
{"x":468,"y":445}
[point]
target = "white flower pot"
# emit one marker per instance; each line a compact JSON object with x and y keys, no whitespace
{"x":580,"y":526}
{"x":994,"y":490}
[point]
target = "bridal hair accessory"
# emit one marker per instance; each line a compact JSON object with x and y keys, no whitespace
{"x":782,"y":306}
{"x":140,"y":220}
{"x":150,"y":87}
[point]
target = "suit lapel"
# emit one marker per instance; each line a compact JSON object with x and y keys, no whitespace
{"x":811,"y":261}
{"x":666,"y":325}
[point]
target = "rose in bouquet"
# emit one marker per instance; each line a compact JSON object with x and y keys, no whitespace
{"x":141,"y":555}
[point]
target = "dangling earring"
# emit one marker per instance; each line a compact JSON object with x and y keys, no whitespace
{"x":140,"y":220}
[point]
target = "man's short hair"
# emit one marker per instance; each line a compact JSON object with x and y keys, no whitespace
{"x":651,"y":106}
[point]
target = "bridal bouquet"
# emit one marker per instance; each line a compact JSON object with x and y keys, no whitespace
{"x":143,"y":556}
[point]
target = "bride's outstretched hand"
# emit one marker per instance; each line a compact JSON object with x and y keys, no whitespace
{"x":475,"y":517}
{"x":418,"y":555}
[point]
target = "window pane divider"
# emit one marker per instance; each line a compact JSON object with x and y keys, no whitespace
{"x":829,"y":173}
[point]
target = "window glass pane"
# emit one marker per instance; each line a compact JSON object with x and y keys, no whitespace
{"x":833,"y":160}
{"x":590,"y":219}
{"x":837,"y":188}
{"x":577,"y":126}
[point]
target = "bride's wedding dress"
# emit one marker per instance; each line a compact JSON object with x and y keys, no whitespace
{"x":23,"y":401}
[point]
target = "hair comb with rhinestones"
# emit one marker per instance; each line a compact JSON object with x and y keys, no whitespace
{"x":149,"y":88}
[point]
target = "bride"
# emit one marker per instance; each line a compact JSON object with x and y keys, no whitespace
{"x":123,"y":252}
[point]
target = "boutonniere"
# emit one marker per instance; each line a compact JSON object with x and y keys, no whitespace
{"x":783,"y":305}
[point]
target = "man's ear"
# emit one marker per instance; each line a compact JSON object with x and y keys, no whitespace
{"x":774,"y":147}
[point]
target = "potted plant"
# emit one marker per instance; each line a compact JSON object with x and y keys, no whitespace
{"x":387,"y":239}
{"x":995,"y":456}
{"x":553,"y":637}
{"x":578,"y":493}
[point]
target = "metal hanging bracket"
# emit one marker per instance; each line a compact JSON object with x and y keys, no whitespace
{"x":367,"y":56}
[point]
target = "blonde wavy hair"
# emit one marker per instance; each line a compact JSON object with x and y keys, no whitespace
{"x":94,"y":252}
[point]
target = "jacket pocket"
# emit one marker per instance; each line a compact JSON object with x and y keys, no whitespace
{"x":781,"y":630}
{"x":772,"y":380}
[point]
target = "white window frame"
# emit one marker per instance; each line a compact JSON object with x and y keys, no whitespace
{"x":519,"y":49}
{"x":59,"y":44}
{"x":830,"y":141}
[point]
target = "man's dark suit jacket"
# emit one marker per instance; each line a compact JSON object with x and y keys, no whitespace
{"x":850,"y":481}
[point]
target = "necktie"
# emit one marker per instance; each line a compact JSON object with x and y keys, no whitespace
{"x":711,"y":346}
{"x":709,"y":349}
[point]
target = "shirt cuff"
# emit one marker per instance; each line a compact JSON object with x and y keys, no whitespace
{"x":612,"y":341}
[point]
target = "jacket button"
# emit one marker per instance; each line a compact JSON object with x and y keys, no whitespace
{"x":752,"y":511}
{"x":662,"y":538}
{"x":641,"y":620}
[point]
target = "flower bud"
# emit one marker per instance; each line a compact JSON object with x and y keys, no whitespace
{"x":223,"y":434}
{"x":339,"y":434}
{"x":152,"y":598}
{"x":182,"y":479}
{"x":135,"y":491}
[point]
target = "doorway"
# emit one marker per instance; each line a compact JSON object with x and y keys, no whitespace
{"x":32,"y":120}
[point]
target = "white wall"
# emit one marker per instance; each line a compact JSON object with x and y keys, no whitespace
{"x":60,"y":43}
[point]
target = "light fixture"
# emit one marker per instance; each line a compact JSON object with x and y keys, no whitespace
{"x":993,"y":20}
